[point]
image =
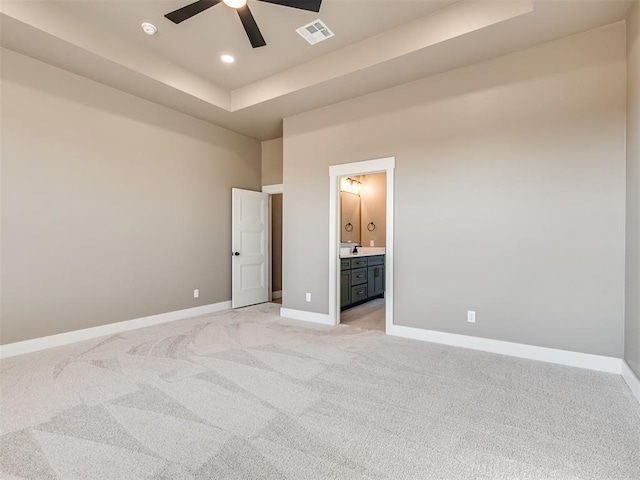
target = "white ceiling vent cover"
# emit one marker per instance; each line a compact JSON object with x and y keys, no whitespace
{"x":315,"y":32}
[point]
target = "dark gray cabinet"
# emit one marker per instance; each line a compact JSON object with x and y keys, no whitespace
{"x":375,"y":280}
{"x":361,"y":279}
{"x":345,"y":288}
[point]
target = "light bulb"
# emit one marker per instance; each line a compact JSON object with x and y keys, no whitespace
{"x":235,"y":3}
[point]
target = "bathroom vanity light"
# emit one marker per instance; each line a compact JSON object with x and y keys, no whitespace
{"x":350,"y":185}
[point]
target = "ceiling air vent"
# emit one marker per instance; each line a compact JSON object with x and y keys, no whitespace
{"x":315,"y":32}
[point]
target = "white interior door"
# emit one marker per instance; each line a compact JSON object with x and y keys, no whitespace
{"x":250,"y":247}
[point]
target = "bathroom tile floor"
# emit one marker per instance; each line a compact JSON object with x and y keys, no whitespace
{"x":369,"y":316}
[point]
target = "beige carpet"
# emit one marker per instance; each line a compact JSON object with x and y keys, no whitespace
{"x":247,"y":395}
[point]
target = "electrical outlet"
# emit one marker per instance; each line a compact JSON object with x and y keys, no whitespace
{"x":196,"y":293}
{"x":372,"y":243}
{"x":307,"y":297}
{"x":471,"y":316}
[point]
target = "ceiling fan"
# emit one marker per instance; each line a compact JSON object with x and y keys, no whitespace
{"x":248,"y":22}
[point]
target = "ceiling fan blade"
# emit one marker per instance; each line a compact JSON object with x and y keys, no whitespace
{"x":189,"y":11}
{"x":251,"y":27}
{"x":311,"y":5}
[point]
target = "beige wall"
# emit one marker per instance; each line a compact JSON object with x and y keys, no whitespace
{"x":632,"y":310}
{"x":374,"y":195}
{"x":272,"y":162}
{"x":113,"y":208}
{"x":509,"y":194}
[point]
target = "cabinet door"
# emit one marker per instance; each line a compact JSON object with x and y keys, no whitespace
{"x":375,"y":281}
{"x":345,"y":288}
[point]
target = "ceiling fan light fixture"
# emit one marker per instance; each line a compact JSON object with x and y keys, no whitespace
{"x":235,"y":3}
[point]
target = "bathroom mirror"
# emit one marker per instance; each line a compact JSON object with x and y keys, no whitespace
{"x":349,"y":217}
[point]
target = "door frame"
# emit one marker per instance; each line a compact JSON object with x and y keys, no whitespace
{"x":271,"y":190}
{"x":379,"y":165}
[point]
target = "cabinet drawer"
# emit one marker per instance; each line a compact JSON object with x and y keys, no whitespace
{"x":345,"y":263}
{"x":376,"y":260}
{"x":358,"y":262}
{"x":358,"y":276}
{"x":358,"y":293}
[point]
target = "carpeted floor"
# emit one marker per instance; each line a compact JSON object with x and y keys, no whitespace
{"x":247,"y":395}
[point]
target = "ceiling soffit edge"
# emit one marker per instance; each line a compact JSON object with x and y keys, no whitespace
{"x":458,"y":19}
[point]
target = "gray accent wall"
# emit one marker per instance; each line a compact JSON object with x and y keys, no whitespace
{"x":632,"y":310}
{"x":113,"y":208}
{"x":509,"y":194}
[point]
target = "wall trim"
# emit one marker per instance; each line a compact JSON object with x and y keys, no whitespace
{"x":544,"y":354}
{"x":273,"y":189}
{"x":277,"y":294}
{"x":631,"y":379}
{"x":313,"y":317}
{"x":66,"y":338}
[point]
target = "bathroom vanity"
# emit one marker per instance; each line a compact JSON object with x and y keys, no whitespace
{"x":361,"y":278}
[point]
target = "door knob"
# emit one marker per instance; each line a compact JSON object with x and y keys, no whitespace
{"x":235,"y":253}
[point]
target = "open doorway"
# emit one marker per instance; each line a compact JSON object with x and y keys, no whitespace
{"x":361,"y":281}
{"x":362,"y":250}
{"x":276,"y":248}
{"x":275,"y":241}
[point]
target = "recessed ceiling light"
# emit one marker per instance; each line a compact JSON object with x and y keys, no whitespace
{"x":227,"y":58}
{"x":149,"y":28}
{"x":235,"y":3}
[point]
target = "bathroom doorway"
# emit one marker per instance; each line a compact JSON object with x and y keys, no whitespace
{"x":362,"y":250}
{"x":361,"y":281}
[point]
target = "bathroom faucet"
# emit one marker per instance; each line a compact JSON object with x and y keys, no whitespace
{"x":355,"y":250}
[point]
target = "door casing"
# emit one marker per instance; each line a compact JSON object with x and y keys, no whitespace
{"x":380,"y":165}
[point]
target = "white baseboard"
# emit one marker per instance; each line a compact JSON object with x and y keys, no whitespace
{"x":277,"y":294}
{"x":631,"y":379}
{"x":58,"y":340}
{"x":322,"y":318}
{"x":531,"y":352}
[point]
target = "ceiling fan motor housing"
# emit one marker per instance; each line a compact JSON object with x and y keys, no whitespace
{"x":246,"y":17}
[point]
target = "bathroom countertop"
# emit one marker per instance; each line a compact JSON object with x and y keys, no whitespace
{"x":362,"y":252}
